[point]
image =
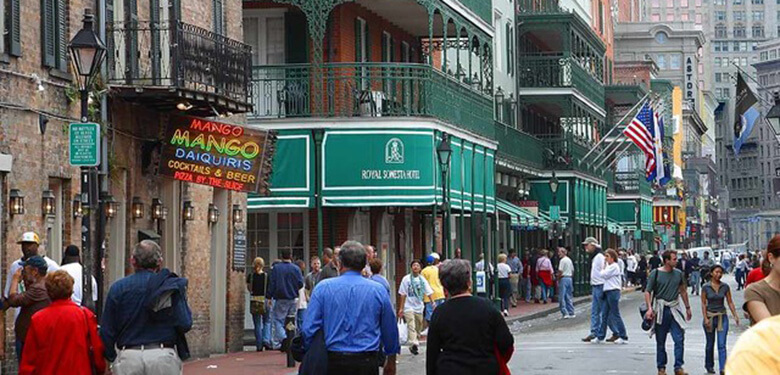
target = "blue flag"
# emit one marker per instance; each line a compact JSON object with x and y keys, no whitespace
{"x":746,"y":113}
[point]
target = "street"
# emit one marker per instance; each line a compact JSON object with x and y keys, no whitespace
{"x":552,"y":346}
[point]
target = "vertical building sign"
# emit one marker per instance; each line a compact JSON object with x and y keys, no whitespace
{"x":690,"y":80}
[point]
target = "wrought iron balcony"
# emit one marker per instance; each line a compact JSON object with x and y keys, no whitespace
{"x":557,"y":71}
{"x":538,"y":7}
{"x":164,"y":63}
{"x":519,"y":146}
{"x":632,"y":182}
{"x":369,"y":90}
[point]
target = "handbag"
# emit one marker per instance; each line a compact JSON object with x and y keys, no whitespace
{"x":403,"y":331}
{"x":257,"y":303}
{"x":643,"y":306}
{"x":90,"y":348}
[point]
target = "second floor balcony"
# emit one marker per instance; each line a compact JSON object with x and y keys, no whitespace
{"x":554,"y":70}
{"x":162,"y":64}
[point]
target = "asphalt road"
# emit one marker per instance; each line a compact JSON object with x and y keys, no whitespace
{"x":552,"y":346}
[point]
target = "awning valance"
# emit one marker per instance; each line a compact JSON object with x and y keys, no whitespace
{"x":521,"y":217}
{"x":615,"y":228}
{"x":292,"y":173}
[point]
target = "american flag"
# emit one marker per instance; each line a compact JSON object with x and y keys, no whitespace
{"x":638,"y":131}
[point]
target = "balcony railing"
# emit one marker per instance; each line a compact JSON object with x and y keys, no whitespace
{"x":632,"y":182}
{"x":520,"y":146}
{"x":555,"y":70}
{"x":178,"y":55}
{"x":369,"y":90}
{"x":538,"y":7}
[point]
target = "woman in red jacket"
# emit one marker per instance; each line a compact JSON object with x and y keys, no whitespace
{"x":62,"y":338}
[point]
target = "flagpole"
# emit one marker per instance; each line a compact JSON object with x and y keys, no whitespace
{"x":651,"y":102}
{"x":616,"y":125}
{"x":762,"y":100}
{"x":628,"y":145}
{"x":617,"y":158}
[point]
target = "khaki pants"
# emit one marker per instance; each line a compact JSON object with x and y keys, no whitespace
{"x":514,"y":280}
{"x":414,"y":323}
{"x":155,"y":361}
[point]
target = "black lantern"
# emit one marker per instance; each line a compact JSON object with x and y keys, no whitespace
{"x":110,"y":206}
{"x":213,"y":213}
{"x":773,"y":116}
{"x":238,"y":214}
{"x":78,"y":211}
{"x":554,"y":184}
{"x":157,"y":209}
{"x":138,"y":208}
{"x":47,"y":203}
{"x":16,"y":202}
{"x":444,"y":151}
{"x":86,"y":52}
{"x":188,"y":212}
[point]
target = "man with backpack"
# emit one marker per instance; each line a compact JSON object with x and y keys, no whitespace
{"x":146,"y":317}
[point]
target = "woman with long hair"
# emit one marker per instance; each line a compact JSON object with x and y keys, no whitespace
{"x":613,"y":283}
{"x":762,"y":298}
{"x":257,"y":285}
{"x":504,"y":285}
{"x":714,"y":296}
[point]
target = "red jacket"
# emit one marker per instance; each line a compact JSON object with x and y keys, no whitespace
{"x":57,"y":341}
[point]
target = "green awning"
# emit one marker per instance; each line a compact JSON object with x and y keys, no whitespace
{"x":614,"y":227}
{"x":292,"y":173}
{"x":521,"y":217}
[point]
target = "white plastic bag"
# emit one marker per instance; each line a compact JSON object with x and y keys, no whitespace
{"x":403,"y":331}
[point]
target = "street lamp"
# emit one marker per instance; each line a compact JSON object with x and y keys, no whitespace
{"x":444,"y":153}
{"x":499,"y":96}
{"x":773,"y":116}
{"x":47,"y":203}
{"x":554,"y":184}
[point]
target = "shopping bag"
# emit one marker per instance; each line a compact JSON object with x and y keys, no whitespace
{"x":403,"y":332}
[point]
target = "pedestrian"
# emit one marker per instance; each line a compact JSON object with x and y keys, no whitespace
{"x":467,"y":335}
{"x":361,"y":305}
{"x":329,"y":268}
{"x":514,"y":277}
{"x":150,"y":341}
{"x":504,"y":285}
{"x":376,"y":273}
{"x":705,"y":265}
{"x":284,"y":283}
{"x":62,"y":338}
{"x":311,"y":278}
{"x":412,"y":291}
{"x":610,"y":314}
{"x":431,"y":275}
{"x":34,"y":298}
{"x":641,"y":271}
{"x":655,"y":261}
{"x":631,"y":265}
{"x":458,"y":254}
{"x":694,"y":279}
{"x":593,"y":247}
{"x":762,"y":298}
{"x":526,"y":282}
{"x":667,"y":285}
{"x":756,"y":350}
{"x":714,"y":296}
{"x":544,"y":272}
{"x":726,"y":261}
{"x":566,"y":284}
{"x":621,"y":261}
{"x":72,"y":264}
{"x":536,"y":289}
{"x":303,"y":300}
{"x":29,"y":244}
{"x":257,"y":286}
{"x":741,"y":271}
{"x":758,"y":273}
{"x":370,"y":254}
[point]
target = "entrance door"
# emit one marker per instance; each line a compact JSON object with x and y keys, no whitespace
{"x":264,"y":31}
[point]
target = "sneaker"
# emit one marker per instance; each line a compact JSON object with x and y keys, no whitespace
{"x":589,"y":338}
{"x":710,"y":371}
{"x":613,"y":338}
{"x":621,"y":341}
{"x":414,"y":349}
{"x":566,"y":317}
{"x":661,"y":371}
{"x":680,"y":371}
{"x":572,"y":316}
{"x":424,"y":332}
{"x":506,"y":313}
{"x":597,"y":341}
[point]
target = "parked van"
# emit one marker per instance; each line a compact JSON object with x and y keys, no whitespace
{"x":700,"y":252}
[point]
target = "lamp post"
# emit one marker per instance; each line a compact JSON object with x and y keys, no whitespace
{"x":444,"y":152}
{"x":87,"y":52}
{"x":554,"y":184}
{"x":773,"y":116}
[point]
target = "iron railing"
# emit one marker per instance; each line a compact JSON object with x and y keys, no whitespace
{"x":369,"y":90}
{"x":519,"y":146}
{"x":538,"y":7}
{"x":632,"y":182}
{"x":178,"y":55}
{"x":556,"y":70}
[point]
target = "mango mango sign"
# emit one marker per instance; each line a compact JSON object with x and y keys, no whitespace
{"x":216,"y":154}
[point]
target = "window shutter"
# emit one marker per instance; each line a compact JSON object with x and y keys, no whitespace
{"x":14,"y":29}
{"x":218,"y":17}
{"x":385,"y":47}
{"x":392,"y":50}
{"x":48,"y":33}
{"x":154,"y":12}
{"x":110,"y":44}
{"x":358,"y":52}
{"x":63,"y":36}
{"x":132,"y":50}
{"x":368,"y":43}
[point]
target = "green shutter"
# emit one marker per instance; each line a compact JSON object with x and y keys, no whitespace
{"x":296,"y":38}
{"x":62,"y":35}
{"x":131,"y":14}
{"x":368,"y":43}
{"x":14,"y":28}
{"x":154,"y":12}
{"x":219,"y":15}
{"x":358,"y":52}
{"x":48,"y":33}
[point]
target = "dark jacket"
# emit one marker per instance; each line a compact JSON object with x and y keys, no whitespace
{"x":315,"y":359}
{"x":285,"y":281}
{"x":167,"y":301}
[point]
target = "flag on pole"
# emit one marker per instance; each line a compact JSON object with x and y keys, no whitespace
{"x":663,"y":174}
{"x":638,"y":131}
{"x":746,"y":113}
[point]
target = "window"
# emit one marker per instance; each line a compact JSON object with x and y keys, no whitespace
{"x":656,"y":3}
{"x":738,"y":2}
{"x":726,"y":92}
{"x":684,"y":17}
{"x":744,"y":61}
{"x":717,"y":61}
{"x":778,"y":30}
{"x":510,"y":53}
{"x":670,"y":16}
{"x":716,"y":46}
{"x":684,"y":3}
{"x":55,"y":36}
{"x":11,"y":42}
{"x":721,"y":32}
{"x":758,"y":31}
{"x":758,"y":15}
{"x":738,"y":16}
{"x":720,"y":15}
{"x":698,"y":18}
{"x":773,"y":54}
{"x":500,"y":38}
{"x":219,"y":17}
{"x":674,"y":62}
{"x":722,"y":2}
{"x":661,"y":61}
{"x":718,"y":77}
{"x":669,"y":3}
{"x":740,"y":32}
{"x":655,"y":17}
{"x":758,"y":1}
{"x":778,"y":15}
{"x":289,"y":233}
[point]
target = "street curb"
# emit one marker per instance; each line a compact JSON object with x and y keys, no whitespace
{"x":539,"y":314}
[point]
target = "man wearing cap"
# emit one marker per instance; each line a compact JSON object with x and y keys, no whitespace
{"x":593,"y":247}
{"x":34,"y":298}
{"x":72,"y":265}
{"x":431,"y":274}
{"x":29,"y":242}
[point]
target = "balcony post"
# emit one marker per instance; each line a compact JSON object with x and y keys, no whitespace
{"x":444,"y":47}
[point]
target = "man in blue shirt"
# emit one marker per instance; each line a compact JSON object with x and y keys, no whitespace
{"x":514,"y":277}
{"x":356,"y":315}
{"x":285,"y":281}
{"x":145,"y":341}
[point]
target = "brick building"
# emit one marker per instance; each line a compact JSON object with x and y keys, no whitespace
{"x":165,"y":58}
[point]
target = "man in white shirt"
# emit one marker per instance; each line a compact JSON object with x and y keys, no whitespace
{"x":414,"y":287}
{"x":593,"y":247}
{"x":71,"y":264}
{"x":29,"y":242}
{"x":565,"y":284}
{"x":631,"y":265}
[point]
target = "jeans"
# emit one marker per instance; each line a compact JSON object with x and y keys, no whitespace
{"x":694,"y":282}
{"x":262,"y":330}
{"x":545,"y":291}
{"x":565,"y":298}
{"x":527,"y":289}
{"x":596,"y":305}
{"x":429,"y":308}
{"x":610,"y":316}
{"x":740,"y":276}
{"x":678,"y":336}
{"x":19,"y":345}
{"x":281,"y":310}
{"x":709,"y":356}
{"x":299,"y":319}
{"x":505,"y":292}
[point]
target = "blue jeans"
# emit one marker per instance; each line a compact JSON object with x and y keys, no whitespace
{"x":282,"y":309}
{"x":709,"y":356}
{"x":19,"y":345}
{"x":678,"y":335}
{"x":527,"y":289}
{"x":610,"y":316}
{"x":695,"y":282}
{"x":546,"y":291}
{"x":262,"y":330}
{"x":429,"y":308}
{"x":596,"y":306}
{"x":299,"y":319}
{"x":566,"y":296}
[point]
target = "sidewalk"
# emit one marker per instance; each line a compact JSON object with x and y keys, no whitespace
{"x":273,"y":362}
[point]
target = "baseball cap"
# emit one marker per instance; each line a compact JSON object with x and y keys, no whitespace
{"x":30,"y":237}
{"x":37,"y":262}
{"x":591,"y":241}
{"x":435,"y":256}
{"x":72,"y":251}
